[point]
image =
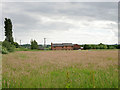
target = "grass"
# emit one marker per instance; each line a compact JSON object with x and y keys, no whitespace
{"x":27,"y":49}
{"x":24,"y":49}
{"x":60,"y":69}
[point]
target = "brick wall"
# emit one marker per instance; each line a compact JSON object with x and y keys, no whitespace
{"x":76,"y":47}
{"x":57,"y":48}
{"x":63,"y":48}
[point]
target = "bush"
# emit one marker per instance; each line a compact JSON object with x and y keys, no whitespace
{"x":16,"y":45}
{"x":4,"y":50}
{"x":10,"y":47}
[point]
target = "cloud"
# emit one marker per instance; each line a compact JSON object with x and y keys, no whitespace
{"x":57,"y":21}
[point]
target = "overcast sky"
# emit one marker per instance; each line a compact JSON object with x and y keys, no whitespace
{"x":75,"y":22}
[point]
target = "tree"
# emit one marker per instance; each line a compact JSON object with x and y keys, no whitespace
{"x":87,"y":46}
{"x":93,"y":46}
{"x":8,"y":30}
{"x":16,"y":45}
{"x":112,"y":46}
{"x":118,"y":46}
{"x":34,"y":44}
{"x":102,"y":46}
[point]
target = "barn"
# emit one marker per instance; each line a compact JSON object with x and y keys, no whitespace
{"x":64,"y":46}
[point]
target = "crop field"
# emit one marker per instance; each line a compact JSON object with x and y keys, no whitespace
{"x":60,"y":69}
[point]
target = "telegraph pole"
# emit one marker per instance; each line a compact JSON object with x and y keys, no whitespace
{"x":20,"y":42}
{"x":44,"y":43}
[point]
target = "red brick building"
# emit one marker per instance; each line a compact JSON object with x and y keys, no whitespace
{"x":76,"y":47}
{"x":64,"y":46}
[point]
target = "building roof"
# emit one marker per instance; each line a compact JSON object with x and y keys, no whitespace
{"x":67,"y":44}
{"x":62,"y":44}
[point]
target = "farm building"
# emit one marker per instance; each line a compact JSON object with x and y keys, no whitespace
{"x":64,"y":46}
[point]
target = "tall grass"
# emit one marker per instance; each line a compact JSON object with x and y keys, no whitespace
{"x":49,"y":70}
{"x":62,"y":79}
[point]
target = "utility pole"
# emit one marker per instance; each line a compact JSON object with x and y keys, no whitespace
{"x":20,"y":42}
{"x":44,"y":43}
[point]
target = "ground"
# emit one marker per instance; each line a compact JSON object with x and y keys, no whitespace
{"x":60,"y":69}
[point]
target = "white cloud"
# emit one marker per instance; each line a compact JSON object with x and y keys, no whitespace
{"x":63,"y":22}
{"x":60,"y":0}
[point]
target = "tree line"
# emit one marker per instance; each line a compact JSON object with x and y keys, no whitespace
{"x":85,"y":46}
{"x":8,"y":45}
{"x":100,"y":46}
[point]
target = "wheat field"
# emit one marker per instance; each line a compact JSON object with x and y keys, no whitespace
{"x":60,"y":69}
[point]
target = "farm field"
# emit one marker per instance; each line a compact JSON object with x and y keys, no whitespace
{"x":60,"y":69}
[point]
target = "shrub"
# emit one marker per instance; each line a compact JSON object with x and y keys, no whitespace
{"x":4,"y":50}
{"x":10,"y":47}
{"x":16,"y":45}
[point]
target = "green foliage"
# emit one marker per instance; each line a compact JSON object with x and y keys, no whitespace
{"x":0,"y":46}
{"x":0,"y":43}
{"x":8,"y":44}
{"x":87,"y":46}
{"x":112,"y":46}
{"x":4,"y":50}
{"x":10,"y":47}
{"x":93,"y":46}
{"x":16,"y":45}
{"x":118,"y":47}
{"x":100,"y":46}
{"x":34,"y":44}
{"x":8,"y":30}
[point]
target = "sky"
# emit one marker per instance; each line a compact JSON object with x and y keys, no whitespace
{"x":62,"y":22}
